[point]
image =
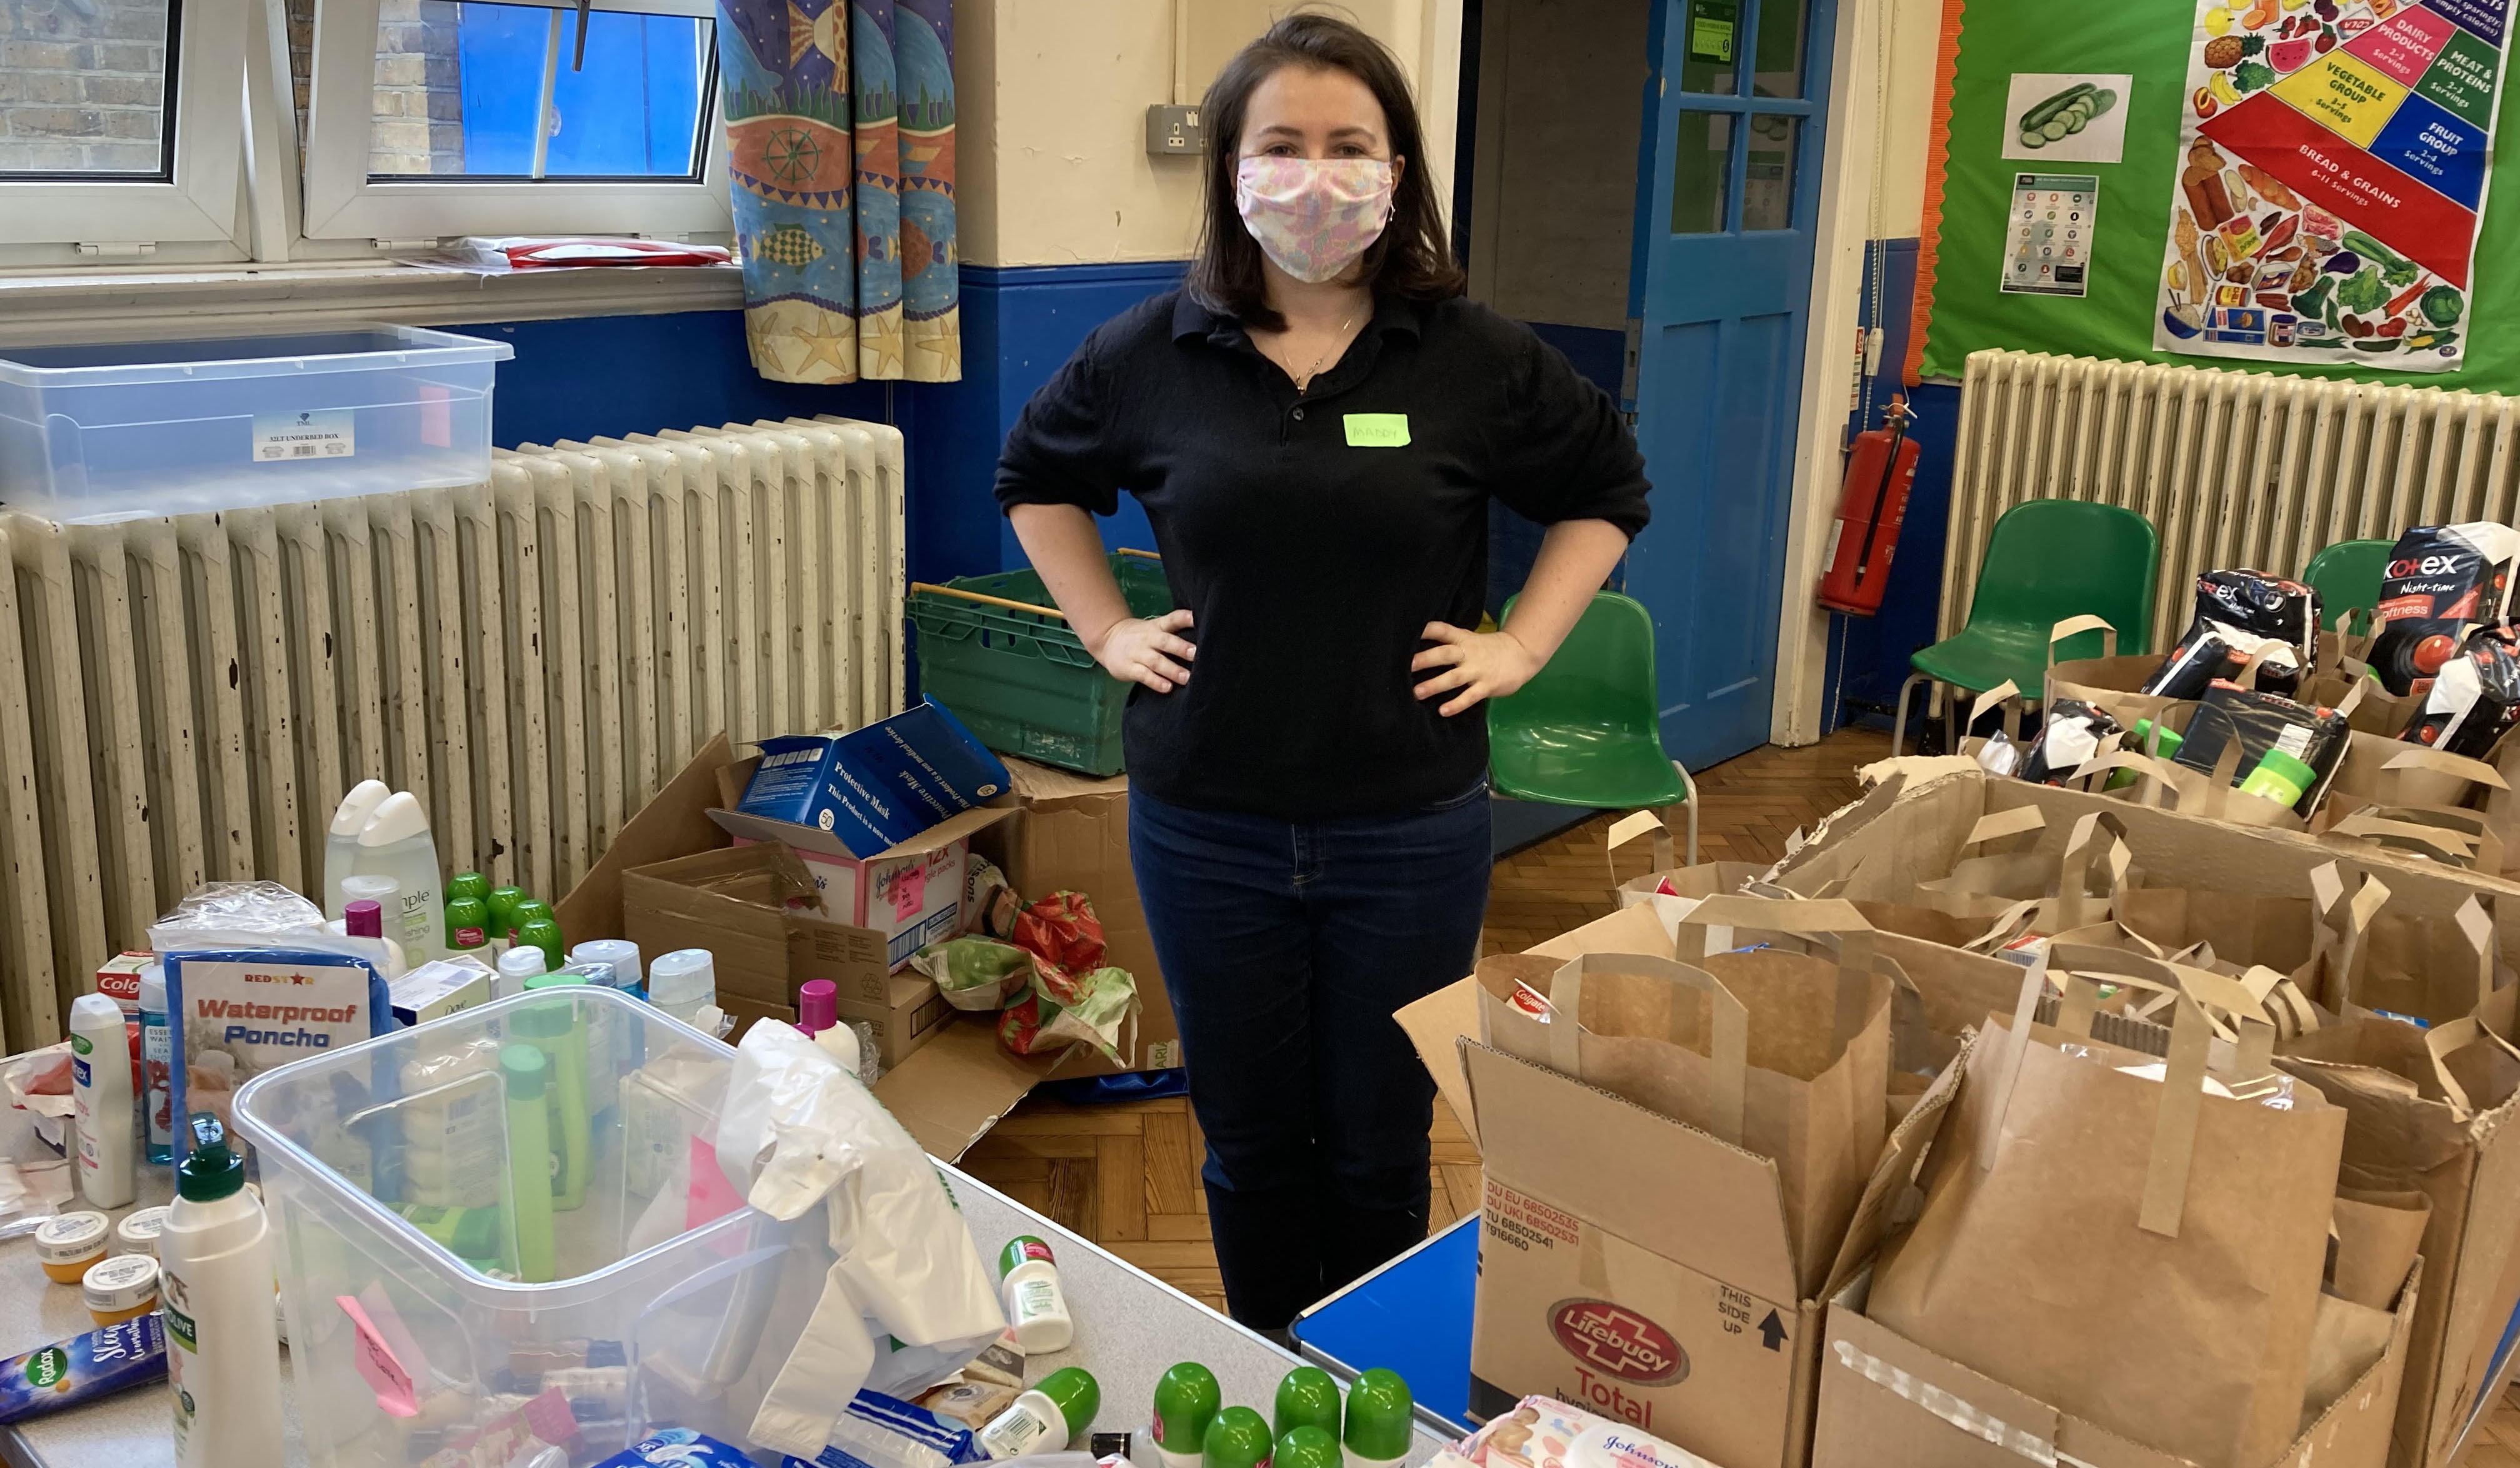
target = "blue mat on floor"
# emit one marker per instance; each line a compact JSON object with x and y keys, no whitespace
{"x":1139,"y":1086}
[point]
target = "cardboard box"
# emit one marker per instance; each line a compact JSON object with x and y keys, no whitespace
{"x":876,"y":787}
{"x":917,"y":1015}
{"x":1887,"y":1403}
{"x":911,"y":893}
{"x":1071,"y":833}
{"x":1642,"y":1270}
{"x":673,"y":823}
{"x":433,"y":991}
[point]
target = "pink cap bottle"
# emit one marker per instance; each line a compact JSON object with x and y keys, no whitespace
{"x":818,"y":1006}
{"x":364,"y":918}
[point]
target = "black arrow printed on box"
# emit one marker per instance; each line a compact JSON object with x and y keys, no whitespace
{"x":1772,"y":1332}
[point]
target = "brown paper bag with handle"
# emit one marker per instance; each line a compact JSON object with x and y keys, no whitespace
{"x":2135,"y":1251}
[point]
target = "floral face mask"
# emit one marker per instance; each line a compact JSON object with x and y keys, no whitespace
{"x":1314,"y":217}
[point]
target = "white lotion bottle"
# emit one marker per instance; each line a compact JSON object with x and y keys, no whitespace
{"x":102,"y":1099}
{"x":222,"y":1333}
{"x":341,"y":843}
{"x":396,"y":844}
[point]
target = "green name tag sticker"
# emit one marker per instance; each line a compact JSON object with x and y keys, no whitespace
{"x":1378,"y":429}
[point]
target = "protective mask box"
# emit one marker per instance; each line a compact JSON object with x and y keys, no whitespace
{"x":1635,"y":1266}
{"x":876,"y":787}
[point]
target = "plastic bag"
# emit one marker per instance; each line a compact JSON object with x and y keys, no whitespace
{"x":1075,"y":995}
{"x":796,"y":1133}
{"x":246,"y":915}
{"x":975,"y":974}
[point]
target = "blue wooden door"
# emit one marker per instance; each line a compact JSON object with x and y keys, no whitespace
{"x":1729,"y":186}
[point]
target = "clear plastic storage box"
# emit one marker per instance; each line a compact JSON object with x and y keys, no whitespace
{"x":91,"y":433}
{"x":391,"y":1171}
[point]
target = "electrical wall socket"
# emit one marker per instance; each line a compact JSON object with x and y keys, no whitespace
{"x":1174,"y":132}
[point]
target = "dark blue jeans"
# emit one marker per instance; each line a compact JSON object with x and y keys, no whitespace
{"x":1285,"y":949}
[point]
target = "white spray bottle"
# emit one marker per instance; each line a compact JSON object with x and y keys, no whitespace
{"x":396,"y":844}
{"x":342,"y":844}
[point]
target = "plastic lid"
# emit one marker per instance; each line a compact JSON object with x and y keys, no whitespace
{"x":620,"y":953}
{"x":153,"y":986}
{"x":1187,"y":1398}
{"x":468,"y":884}
{"x":1306,"y":1446}
{"x":2293,"y":771}
{"x":526,"y":962}
{"x":351,"y":817}
{"x":534,"y":907}
{"x":541,"y":932}
{"x":1020,"y":1250}
{"x":370,"y":885}
{"x":67,"y":1238}
{"x":363,"y":919}
{"x":1308,"y":1398}
{"x":1378,"y":1420}
{"x":1239,"y":1438}
{"x":682,"y":976}
{"x":119,"y":1283}
{"x":140,"y":1228}
{"x":818,"y":1006}
{"x":399,"y":818}
{"x":95,"y":1010}
{"x":523,"y":1066}
{"x":215,"y":1171}
{"x":1074,"y":1389}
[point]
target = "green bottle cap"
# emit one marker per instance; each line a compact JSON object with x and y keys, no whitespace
{"x":469,"y":885}
{"x":555,"y":981}
{"x":468,"y":923}
{"x":1306,"y":1446}
{"x":504,"y":901}
{"x":1378,"y":1415}
{"x":2292,"y":771}
{"x":1187,"y":1398}
{"x":1022,"y":1250}
{"x":1072,"y":1388}
{"x":523,"y":1066}
{"x":544,"y":933}
{"x":1308,"y":1398}
{"x":543,"y":1021}
{"x":1239,"y":1438}
{"x":213,"y":1171}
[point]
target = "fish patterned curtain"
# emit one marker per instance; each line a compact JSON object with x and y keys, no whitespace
{"x":839,"y":131}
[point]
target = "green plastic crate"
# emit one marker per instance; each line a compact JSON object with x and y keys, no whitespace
{"x":1020,"y":681}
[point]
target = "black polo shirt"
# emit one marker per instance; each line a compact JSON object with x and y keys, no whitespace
{"x":1314,"y":534}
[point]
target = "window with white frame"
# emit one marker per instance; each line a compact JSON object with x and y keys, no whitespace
{"x":434,"y":117}
{"x":128,"y":128}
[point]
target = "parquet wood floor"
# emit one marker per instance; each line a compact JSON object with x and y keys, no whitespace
{"x":1127,"y":1175}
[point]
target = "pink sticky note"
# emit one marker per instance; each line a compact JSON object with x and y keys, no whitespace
{"x":377,"y":1364}
{"x":909,"y":891}
{"x":711,"y":1196}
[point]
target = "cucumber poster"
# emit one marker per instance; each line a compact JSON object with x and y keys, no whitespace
{"x":2331,"y":181}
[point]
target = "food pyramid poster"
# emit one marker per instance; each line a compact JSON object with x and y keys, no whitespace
{"x":2332,"y":180}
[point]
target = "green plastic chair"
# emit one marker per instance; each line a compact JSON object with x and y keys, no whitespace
{"x":2048,"y":559}
{"x":1588,"y":730}
{"x":2347,"y":578}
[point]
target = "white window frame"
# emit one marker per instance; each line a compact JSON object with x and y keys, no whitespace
{"x":197,"y":216}
{"x":342,"y":203}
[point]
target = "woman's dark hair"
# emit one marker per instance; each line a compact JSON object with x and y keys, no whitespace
{"x":1414,"y":254}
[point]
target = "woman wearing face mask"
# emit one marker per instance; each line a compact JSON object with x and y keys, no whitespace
{"x":1315,"y":425}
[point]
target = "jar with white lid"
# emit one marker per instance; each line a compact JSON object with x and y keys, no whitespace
{"x":67,"y":1244}
{"x":139,"y":1229}
{"x":121,"y":1288}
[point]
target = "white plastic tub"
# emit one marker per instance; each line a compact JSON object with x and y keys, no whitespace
{"x":684,"y":1302}
{"x":91,"y":433}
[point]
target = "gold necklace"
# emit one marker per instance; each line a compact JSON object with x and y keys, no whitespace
{"x":1338,"y":338}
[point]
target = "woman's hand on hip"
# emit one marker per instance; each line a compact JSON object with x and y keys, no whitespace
{"x":1481,"y":665}
{"x":1144,"y":650}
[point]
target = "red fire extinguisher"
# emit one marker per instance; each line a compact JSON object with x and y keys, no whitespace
{"x":1878,"y":475}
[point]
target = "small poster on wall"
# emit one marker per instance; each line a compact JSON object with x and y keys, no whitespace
{"x":2332,"y":180}
{"x":2067,"y":117}
{"x":2047,"y":249}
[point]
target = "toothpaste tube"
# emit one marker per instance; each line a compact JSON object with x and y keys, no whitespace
{"x":83,"y":1367}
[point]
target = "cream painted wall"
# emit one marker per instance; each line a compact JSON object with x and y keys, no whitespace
{"x":1053,"y":95}
{"x":1914,"y":27}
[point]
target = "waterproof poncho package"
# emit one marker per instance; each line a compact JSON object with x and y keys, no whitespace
{"x":798,"y":1134}
{"x":2441,"y":582}
{"x":2474,"y":699}
{"x":2071,"y":735}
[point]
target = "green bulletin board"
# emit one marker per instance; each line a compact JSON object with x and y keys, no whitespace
{"x":2148,"y":39}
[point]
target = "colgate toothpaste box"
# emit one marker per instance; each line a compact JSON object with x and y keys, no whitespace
{"x":1636,"y":1268}
{"x":118,"y":980}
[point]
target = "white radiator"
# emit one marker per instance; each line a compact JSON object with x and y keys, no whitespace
{"x":2233,"y":468}
{"x":185,"y":699}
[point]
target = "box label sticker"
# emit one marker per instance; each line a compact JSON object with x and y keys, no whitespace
{"x":909,"y":891}
{"x":327,"y":434}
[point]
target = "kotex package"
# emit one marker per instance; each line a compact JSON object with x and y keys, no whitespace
{"x":2475,"y":698}
{"x":797,"y":1133}
{"x":2072,"y":734}
{"x":2214,"y":650}
{"x":2261,"y":721}
{"x":2261,"y":603}
{"x":2441,"y":582}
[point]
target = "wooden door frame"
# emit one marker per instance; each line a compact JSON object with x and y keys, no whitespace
{"x":1830,"y":336}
